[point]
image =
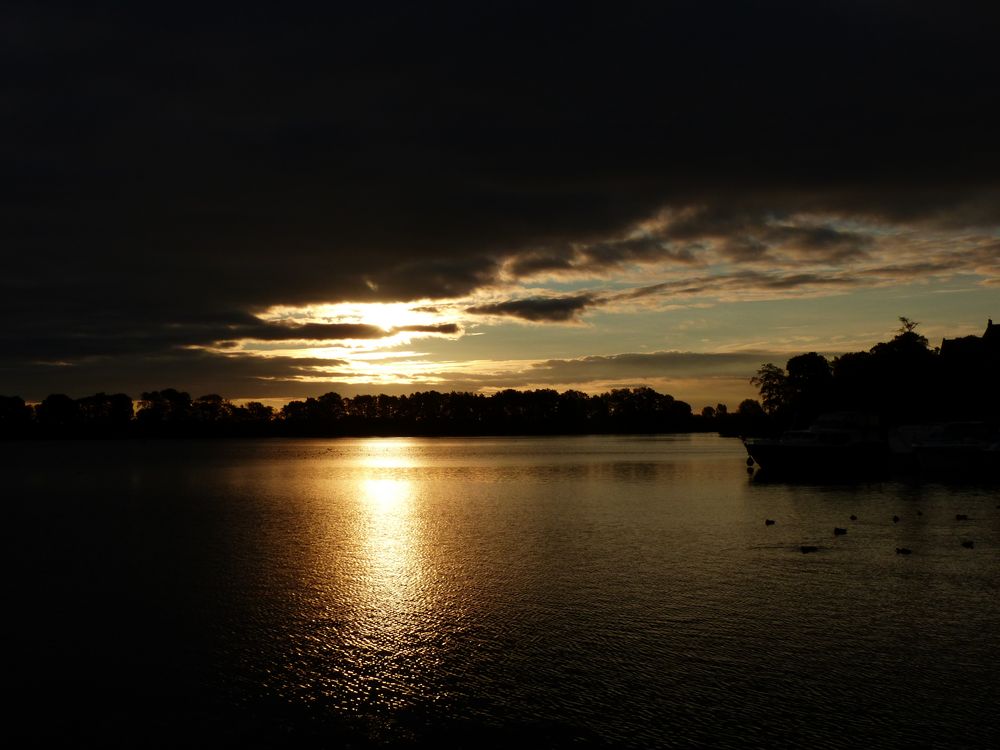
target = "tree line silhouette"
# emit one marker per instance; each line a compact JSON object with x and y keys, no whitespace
{"x":900,"y":381}
{"x":173,"y":413}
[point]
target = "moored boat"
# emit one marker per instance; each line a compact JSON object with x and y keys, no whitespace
{"x":953,"y":449}
{"x":836,"y":444}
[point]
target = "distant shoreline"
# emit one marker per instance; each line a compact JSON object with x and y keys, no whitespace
{"x":344,"y":436}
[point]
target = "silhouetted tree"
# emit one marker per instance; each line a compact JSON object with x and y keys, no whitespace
{"x":252,"y":419}
{"x":808,"y":387}
{"x":256,"y":412}
{"x":15,"y":417}
{"x":898,"y":380}
{"x":751,"y":418}
{"x":770,"y":381}
{"x":210,"y":409}
{"x":104,"y":415}
{"x":903,"y":375}
{"x":166,"y":412}
{"x":854,"y":379}
{"x":908,"y":326}
{"x":57,"y":416}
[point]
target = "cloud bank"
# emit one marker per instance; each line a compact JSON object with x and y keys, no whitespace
{"x":174,"y":173}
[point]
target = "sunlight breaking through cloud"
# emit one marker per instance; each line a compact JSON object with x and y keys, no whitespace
{"x":677,"y":261}
{"x":388,"y":316}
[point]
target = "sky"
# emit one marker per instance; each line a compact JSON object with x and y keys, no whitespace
{"x":273,"y":201}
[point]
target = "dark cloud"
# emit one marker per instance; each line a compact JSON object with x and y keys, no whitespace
{"x":445,"y":329}
{"x":744,"y":248}
{"x":144,"y":337}
{"x":747,"y":231}
{"x":640,"y":249}
{"x":814,"y":244}
{"x":601,"y":256}
{"x":821,"y":243}
{"x":306,"y":332}
{"x":732,"y":285}
{"x":534,"y":262}
{"x":179,"y":163}
{"x":198,"y":372}
{"x":540,"y":309}
{"x":742,"y":281}
{"x":795,"y":281}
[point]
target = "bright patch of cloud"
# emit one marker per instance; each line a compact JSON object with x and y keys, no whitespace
{"x":698,"y":256}
{"x":388,"y":316}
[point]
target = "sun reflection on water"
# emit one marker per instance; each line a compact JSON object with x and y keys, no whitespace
{"x":392,"y":453}
{"x":387,"y":526}
{"x":392,"y":617}
{"x":388,"y":533}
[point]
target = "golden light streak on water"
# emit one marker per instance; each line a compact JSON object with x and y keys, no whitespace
{"x":392,"y":595}
{"x":392,"y":566}
{"x":389,"y":533}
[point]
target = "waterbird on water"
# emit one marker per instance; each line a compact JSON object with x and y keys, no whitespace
{"x":903,"y":550}
{"x":854,"y":518}
{"x":895,"y":519}
{"x":769,"y":522}
{"x":969,"y":544}
{"x":807,"y":548}
{"x":839,"y":531}
{"x":961,"y":517}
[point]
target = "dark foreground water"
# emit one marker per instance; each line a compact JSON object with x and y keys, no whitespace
{"x":595,"y":591}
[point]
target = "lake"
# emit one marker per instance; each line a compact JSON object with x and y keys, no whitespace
{"x":619,"y":591}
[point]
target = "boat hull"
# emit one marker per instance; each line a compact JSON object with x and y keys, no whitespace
{"x":778,"y":458}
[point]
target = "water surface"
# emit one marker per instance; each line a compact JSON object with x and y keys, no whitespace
{"x":584,"y":591}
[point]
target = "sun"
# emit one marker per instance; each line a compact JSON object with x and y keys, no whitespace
{"x":388,"y":316}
